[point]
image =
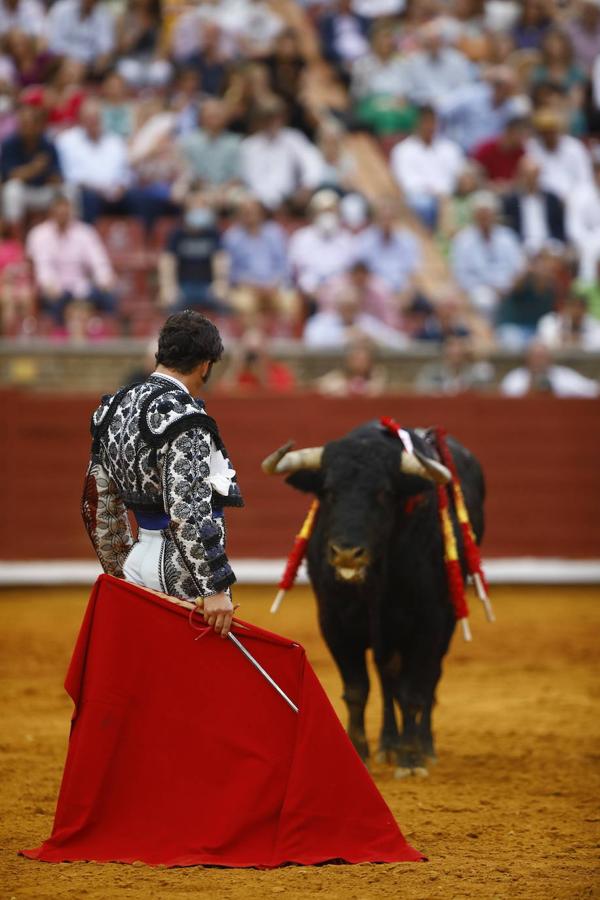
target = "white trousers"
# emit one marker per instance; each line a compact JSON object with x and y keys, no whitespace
{"x":144,"y":563}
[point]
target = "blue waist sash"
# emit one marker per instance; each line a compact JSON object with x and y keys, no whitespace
{"x":158,"y":521}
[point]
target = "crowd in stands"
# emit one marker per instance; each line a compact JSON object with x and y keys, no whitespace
{"x":156,"y":156}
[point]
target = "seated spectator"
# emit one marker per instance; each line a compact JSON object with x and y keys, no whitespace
{"x":564,"y":161}
{"x":286,"y":68}
{"x":533,"y":23}
{"x":558,"y":65}
{"x":60,"y":97}
{"x":456,"y":371}
{"x":500,"y":156}
{"x":456,"y":210}
{"x":570,"y":327}
{"x":16,"y":295}
{"x":83,"y":30}
{"x":31,"y":60}
{"x":359,"y":375}
{"x":339,"y":167}
{"x":141,"y":59}
{"x":70,"y":264}
{"x":211,"y":154}
{"x":426,"y":166}
{"x":533,"y":296}
{"x":29,"y":166}
{"x":187,"y":267}
{"x":540,"y":375}
{"x":379,"y":85}
{"x":583,"y":219}
{"x":436,"y":70}
{"x":346,"y":323}
{"x":118,"y":111}
{"x":389,"y":251}
{"x":186,"y":99}
{"x":479,"y":111}
{"x":322,"y":249}
{"x":535,"y":215}
{"x":279,"y":164}
{"x":26,"y":16}
{"x":486,"y":257}
{"x":210,"y":59}
{"x":376,"y":297}
{"x":95,"y":163}
{"x":446,"y":319}
{"x":258,"y":269}
{"x":583,"y":27}
{"x":343,"y":35}
{"x":252,"y":369}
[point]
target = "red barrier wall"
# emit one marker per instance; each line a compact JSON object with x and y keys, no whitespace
{"x":541,"y":457}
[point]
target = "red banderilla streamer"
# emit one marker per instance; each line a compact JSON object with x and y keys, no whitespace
{"x":296,"y":556}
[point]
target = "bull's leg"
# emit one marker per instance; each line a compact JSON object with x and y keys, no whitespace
{"x":350,"y":658}
{"x":415,"y":696}
{"x":426,"y":733}
{"x":389,"y":739}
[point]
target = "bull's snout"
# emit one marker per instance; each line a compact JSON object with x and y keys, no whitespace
{"x":350,"y":563}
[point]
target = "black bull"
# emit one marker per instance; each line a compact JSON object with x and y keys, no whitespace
{"x":376,"y":563}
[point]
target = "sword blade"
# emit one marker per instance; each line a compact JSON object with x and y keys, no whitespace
{"x":262,"y":671}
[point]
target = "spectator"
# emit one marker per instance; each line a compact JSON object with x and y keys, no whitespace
{"x":456,"y":210}
{"x":535,"y":215}
{"x":425,"y":322}
{"x":279,"y":163}
{"x":584,"y":30}
{"x":258,"y":270}
{"x":322,"y":249}
{"x":95,"y":163}
{"x":359,"y":375}
{"x":346,"y":323}
{"x":479,"y":111}
{"x":500,"y":156}
{"x":187,"y":268}
{"x":27,"y":16}
{"x":252,"y":369}
{"x":339,"y":167}
{"x":29,"y":166}
{"x":532,"y":25}
{"x":533,"y":296}
{"x":558,"y":65}
{"x":16,"y":295}
{"x":83,"y":30}
{"x":456,"y":371}
{"x":61,"y":97}
{"x":436,"y":70}
{"x":564,"y":161}
{"x":486,"y":257}
{"x":32,"y":61}
{"x":379,"y":85}
{"x":540,"y":375}
{"x":118,"y":112}
{"x":343,"y":35}
{"x":212,"y":154}
{"x":583,"y":220}
{"x":70,"y":264}
{"x":426,"y":166}
{"x":287,"y":71}
{"x":141,"y":59}
{"x":570,"y":327}
{"x":209,"y":61}
{"x":376,"y":297}
{"x":391,"y":252}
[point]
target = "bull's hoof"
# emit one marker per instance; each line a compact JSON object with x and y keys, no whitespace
{"x":414,"y":772}
{"x":387,"y":757}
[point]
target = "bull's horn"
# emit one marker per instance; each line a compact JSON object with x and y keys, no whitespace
{"x":284,"y":462}
{"x":417,"y":464}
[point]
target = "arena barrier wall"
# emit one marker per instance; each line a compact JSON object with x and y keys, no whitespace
{"x":540,"y":455}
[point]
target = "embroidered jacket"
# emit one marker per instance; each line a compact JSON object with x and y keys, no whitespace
{"x":153,"y":447}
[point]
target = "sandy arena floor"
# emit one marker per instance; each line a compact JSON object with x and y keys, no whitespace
{"x":511,"y":810}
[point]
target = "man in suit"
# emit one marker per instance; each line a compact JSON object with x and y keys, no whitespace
{"x":536,"y":215}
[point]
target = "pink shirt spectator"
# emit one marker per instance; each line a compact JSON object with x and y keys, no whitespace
{"x":377,"y":299}
{"x":73,"y":259}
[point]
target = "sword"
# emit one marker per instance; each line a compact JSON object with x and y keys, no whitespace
{"x":262,"y":671}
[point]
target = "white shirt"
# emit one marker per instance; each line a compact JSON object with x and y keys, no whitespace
{"x":274,"y":168}
{"x":101,"y":165}
{"x":564,"y":169}
{"x":431,"y":169}
{"x":29,"y":17}
{"x":563,"y":382}
{"x":84,"y":39}
{"x":583,"y":214}
{"x":534,"y":226}
{"x":314,"y":256}
{"x":221,"y":471}
{"x":554,"y":331}
{"x":327,"y":329}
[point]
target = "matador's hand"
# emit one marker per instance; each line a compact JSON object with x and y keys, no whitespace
{"x":218,"y":612}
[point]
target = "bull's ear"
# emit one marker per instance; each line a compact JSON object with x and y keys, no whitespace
{"x":310,"y":481}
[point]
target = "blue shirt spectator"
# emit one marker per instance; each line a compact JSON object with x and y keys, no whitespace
{"x":257,"y":249}
{"x":392,"y":253}
{"x":22,"y":149}
{"x":478,"y":112}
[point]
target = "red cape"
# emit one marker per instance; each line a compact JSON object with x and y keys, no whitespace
{"x":182,"y":754}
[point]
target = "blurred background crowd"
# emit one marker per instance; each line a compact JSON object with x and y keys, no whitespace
{"x":356,"y":177}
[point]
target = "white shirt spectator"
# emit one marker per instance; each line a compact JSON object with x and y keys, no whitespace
{"x":329,"y":329}
{"x":29,"y":16}
{"x":84,"y":39}
{"x":274,"y":167}
{"x":430,"y":77}
{"x":583,"y":226}
{"x":491,"y":263}
{"x":100,"y":165}
{"x":430,"y":169}
{"x":553,"y":330}
{"x":395,"y":256}
{"x":372,"y":75}
{"x":534,"y":225}
{"x":564,"y":169}
{"x":314,"y":255}
{"x":561,"y":380}
{"x":72,"y":259}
